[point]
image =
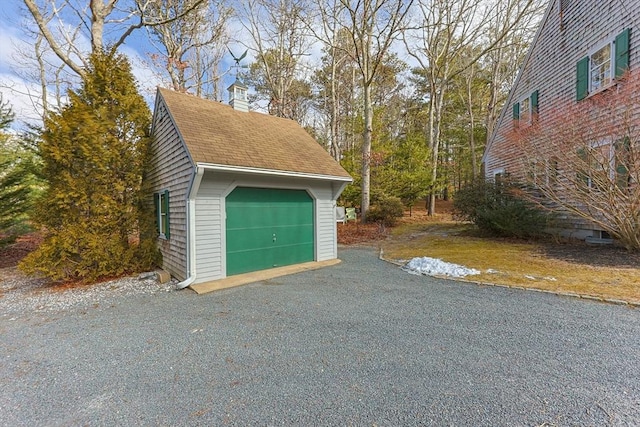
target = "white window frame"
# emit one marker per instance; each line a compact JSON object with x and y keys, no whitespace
{"x":611,"y":154}
{"x":562,"y":9}
{"x":241,"y":93}
{"x":525,"y":101}
{"x":525,"y":110}
{"x":611,"y":72}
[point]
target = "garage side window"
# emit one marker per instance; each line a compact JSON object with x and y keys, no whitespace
{"x":161,"y":201}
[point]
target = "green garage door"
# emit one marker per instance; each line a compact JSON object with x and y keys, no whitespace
{"x":268,"y":228}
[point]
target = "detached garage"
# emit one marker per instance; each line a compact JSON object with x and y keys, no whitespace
{"x":238,"y":191}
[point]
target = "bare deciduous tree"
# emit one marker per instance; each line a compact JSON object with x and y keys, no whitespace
{"x":336,"y":63}
{"x":279,"y":40}
{"x":443,"y":32}
{"x":119,"y":17}
{"x":191,"y":49}
{"x":373,"y":25}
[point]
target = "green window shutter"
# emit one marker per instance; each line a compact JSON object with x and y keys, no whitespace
{"x":167,"y":234}
{"x":622,"y":53}
{"x":516,"y":111}
{"x":534,"y":104}
{"x":156,"y":209}
{"x":582,"y":78}
{"x":621,"y":156}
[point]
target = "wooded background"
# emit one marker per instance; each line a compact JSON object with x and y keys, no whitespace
{"x":404,"y":93}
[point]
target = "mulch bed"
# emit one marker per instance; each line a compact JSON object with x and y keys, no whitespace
{"x":353,"y":233}
{"x":11,"y":254}
{"x":578,"y":252}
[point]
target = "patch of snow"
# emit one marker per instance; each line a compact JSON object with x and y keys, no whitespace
{"x":492,"y":271}
{"x":437,"y":267}
{"x":549,"y":278}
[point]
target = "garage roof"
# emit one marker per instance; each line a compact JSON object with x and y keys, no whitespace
{"x":215,"y":133}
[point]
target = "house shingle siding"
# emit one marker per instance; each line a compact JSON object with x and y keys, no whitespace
{"x":171,"y":169}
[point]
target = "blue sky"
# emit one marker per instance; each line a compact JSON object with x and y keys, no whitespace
{"x":14,"y":19}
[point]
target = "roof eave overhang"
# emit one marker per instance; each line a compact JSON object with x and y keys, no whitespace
{"x":272,"y":172}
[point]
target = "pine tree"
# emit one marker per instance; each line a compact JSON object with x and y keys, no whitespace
{"x":17,"y":181}
{"x":14,"y":191}
{"x":94,"y":153}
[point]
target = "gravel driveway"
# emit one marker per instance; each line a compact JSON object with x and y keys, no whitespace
{"x":362,"y":343}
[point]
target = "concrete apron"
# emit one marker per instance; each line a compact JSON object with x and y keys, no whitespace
{"x":258,"y":276}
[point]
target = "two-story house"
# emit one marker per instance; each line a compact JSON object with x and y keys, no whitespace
{"x":561,"y":110}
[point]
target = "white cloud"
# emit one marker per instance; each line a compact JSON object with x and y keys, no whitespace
{"x":24,"y":99}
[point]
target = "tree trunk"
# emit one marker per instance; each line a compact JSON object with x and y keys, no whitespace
{"x":472,"y":140}
{"x":335,"y":147}
{"x":366,"y":151}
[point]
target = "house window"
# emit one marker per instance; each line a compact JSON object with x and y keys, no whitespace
{"x":499,"y":175}
{"x":525,"y":111}
{"x":241,"y":93}
{"x":602,"y":66}
{"x":553,"y":172}
{"x":604,"y":164}
{"x":161,"y":200}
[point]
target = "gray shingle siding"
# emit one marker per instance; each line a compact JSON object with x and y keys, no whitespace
{"x":171,"y":169}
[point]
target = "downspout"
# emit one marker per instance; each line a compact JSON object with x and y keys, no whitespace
{"x":191,"y":229}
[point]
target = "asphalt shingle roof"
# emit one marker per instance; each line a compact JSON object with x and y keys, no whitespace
{"x":215,"y":133}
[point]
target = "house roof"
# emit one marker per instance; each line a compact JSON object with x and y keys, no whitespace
{"x":216,"y":134}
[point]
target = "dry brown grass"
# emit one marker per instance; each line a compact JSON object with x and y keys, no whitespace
{"x":607,"y":272}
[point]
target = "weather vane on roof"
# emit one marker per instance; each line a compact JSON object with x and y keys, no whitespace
{"x":237,"y":60}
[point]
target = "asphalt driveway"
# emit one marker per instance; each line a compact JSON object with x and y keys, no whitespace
{"x":361,"y":343}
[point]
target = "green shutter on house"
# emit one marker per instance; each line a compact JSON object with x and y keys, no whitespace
{"x":166,"y":232}
{"x":534,"y":104}
{"x":516,"y":111}
{"x":582,"y":78}
{"x":622,"y":52}
{"x":621,"y":157}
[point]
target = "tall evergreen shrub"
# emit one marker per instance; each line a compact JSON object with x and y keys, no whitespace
{"x":94,"y":153}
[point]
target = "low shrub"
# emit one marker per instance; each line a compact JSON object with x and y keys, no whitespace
{"x":499,"y":209}
{"x":386,"y":211}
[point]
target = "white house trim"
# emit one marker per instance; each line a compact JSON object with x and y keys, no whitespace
{"x":258,"y":171}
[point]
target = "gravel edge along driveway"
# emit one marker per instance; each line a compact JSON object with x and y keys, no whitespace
{"x":360,"y":343}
